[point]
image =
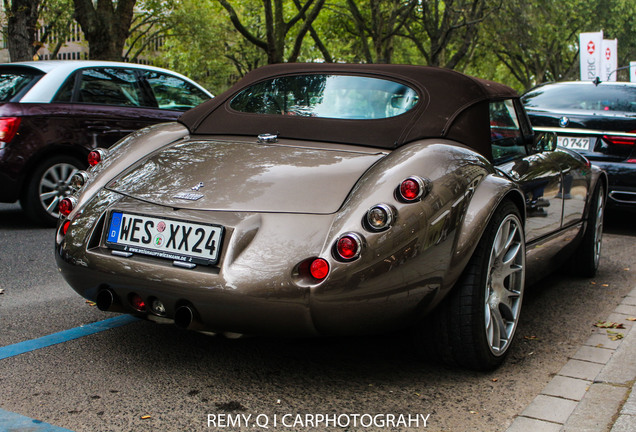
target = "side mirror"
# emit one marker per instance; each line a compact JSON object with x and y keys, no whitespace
{"x":544,"y":141}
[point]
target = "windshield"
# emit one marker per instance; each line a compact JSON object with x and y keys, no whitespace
{"x":327,"y":96}
{"x":604,"y":97}
{"x":14,"y":82}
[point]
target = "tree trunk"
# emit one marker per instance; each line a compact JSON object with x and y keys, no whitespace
{"x":105,"y":26}
{"x":21,"y":28}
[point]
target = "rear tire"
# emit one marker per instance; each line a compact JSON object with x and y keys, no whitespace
{"x":475,"y":325}
{"x":586,"y":258}
{"x":48,"y":184}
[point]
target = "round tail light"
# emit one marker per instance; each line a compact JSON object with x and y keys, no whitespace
{"x":96,"y":156}
{"x":348,"y":246}
{"x":67,"y":205}
{"x":412,"y":189}
{"x":319,"y":269}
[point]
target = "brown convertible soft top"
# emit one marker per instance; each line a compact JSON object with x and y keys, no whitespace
{"x":452,"y":105}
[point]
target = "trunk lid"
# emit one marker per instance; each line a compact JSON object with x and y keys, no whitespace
{"x":240,"y":176}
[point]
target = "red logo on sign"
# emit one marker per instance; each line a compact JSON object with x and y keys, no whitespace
{"x":590,"y":47}
{"x":608,"y":53}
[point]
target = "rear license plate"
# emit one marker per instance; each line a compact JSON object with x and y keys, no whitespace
{"x":165,"y":238}
{"x":574,"y":143}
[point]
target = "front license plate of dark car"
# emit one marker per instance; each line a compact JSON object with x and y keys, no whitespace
{"x":171,"y":239}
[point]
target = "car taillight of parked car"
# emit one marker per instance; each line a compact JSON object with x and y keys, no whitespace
{"x":8,"y":129}
{"x":621,"y":140}
{"x":96,"y":156}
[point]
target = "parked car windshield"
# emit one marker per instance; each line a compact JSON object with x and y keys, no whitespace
{"x":327,"y":96}
{"x":15,"y":82}
{"x":604,"y":97}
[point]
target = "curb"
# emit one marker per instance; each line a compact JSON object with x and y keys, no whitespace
{"x":593,"y":391}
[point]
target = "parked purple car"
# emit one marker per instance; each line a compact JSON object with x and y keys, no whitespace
{"x":53,"y":113}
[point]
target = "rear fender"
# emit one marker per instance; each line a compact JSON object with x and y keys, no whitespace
{"x":486,"y":197}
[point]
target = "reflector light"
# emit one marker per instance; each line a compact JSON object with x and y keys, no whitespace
{"x":67,"y":205}
{"x":137,"y":302}
{"x":65,"y":227}
{"x":158,"y":307}
{"x":8,"y":128}
{"x":348,"y":246}
{"x":379,"y":217}
{"x":412,"y":189}
{"x":96,"y":156}
{"x":79,"y":179}
{"x":319,"y":268}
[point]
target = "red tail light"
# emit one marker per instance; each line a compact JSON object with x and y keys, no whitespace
{"x":67,"y":205}
{"x":348,"y":246}
{"x":319,"y":269}
{"x":620,"y":140}
{"x":413,"y":188}
{"x":96,"y":156}
{"x":8,"y":128}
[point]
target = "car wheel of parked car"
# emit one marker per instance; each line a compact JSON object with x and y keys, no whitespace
{"x":49,"y":183}
{"x":585,"y":260}
{"x":475,"y":325}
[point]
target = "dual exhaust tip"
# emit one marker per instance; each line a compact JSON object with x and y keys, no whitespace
{"x":185,"y":317}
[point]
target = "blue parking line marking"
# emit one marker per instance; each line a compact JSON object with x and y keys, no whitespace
{"x":64,"y":336}
{"x":10,"y":421}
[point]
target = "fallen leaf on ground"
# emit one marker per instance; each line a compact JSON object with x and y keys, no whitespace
{"x":90,"y":303}
{"x":614,"y":335}
{"x":631,"y":319}
{"x":530,"y":337}
{"x":145,"y":417}
{"x":609,"y":324}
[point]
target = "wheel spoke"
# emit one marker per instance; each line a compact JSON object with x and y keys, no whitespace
{"x":497,"y":330}
{"x":47,"y":195}
{"x":46,"y":183}
{"x":52,"y":207}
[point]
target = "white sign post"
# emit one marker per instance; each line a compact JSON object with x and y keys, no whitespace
{"x":609,"y":60}
{"x":590,"y":45}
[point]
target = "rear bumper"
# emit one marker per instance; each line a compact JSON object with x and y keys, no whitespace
{"x":9,"y":188}
{"x":622,"y":183}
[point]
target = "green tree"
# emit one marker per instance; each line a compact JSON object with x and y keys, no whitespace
{"x":150,"y":24}
{"x":445,"y":31}
{"x":376,"y":26}
{"x":22,"y":23}
{"x":202,"y":43}
{"x":106,"y":26}
{"x":280,"y":23}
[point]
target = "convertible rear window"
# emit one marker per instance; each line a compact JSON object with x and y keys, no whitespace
{"x":327,"y":96}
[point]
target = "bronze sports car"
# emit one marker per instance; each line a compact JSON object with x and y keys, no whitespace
{"x":332,"y":199}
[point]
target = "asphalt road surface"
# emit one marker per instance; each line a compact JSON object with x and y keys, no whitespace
{"x":149,"y":377}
